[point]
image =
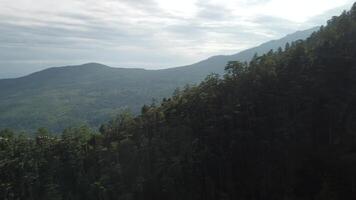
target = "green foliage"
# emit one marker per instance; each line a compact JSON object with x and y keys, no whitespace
{"x":235,"y":69}
{"x":82,"y":134}
{"x":7,"y":133}
{"x":43,"y":132}
{"x":281,"y":127}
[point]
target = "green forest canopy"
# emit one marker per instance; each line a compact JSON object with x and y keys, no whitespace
{"x":280,"y":127}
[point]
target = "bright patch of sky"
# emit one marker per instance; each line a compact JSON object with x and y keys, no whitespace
{"x":151,"y":34}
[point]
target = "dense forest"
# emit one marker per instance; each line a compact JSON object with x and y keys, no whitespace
{"x":280,"y":127}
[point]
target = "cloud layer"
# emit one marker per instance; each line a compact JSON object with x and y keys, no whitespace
{"x":36,"y":34}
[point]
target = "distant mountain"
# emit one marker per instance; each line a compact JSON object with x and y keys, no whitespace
{"x":216,"y":64}
{"x":73,"y":95}
{"x":92,"y":93}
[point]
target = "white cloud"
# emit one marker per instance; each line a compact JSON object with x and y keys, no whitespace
{"x":301,"y":10}
{"x":181,"y":8}
{"x":148,"y":33}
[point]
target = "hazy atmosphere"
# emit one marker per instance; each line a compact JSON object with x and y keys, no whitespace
{"x":149,"y":34}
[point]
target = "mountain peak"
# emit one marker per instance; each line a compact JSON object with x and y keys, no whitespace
{"x":92,"y":64}
{"x":83,"y":68}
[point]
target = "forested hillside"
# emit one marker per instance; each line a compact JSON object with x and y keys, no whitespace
{"x":88,"y":94}
{"x":93,"y":93}
{"x":281,"y":127}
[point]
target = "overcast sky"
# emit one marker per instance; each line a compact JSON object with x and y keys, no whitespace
{"x":152,"y":34}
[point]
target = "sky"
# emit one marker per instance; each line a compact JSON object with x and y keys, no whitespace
{"x":151,"y":34}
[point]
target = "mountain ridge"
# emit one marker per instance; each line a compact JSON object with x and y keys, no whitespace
{"x":92,"y":93}
{"x":244,"y":54}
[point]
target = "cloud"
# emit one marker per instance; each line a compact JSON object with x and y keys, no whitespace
{"x":324,"y":17}
{"x":144,"y":33}
{"x":212,"y":12}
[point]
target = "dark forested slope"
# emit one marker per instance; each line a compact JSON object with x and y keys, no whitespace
{"x":93,"y":93}
{"x":282,"y":127}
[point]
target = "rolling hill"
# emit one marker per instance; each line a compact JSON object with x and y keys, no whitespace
{"x":92,"y":93}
